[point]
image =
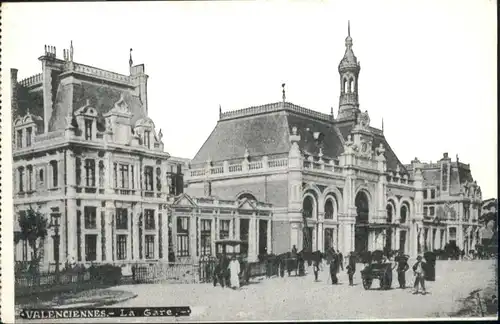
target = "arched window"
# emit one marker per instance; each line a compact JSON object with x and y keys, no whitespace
{"x":389,"y":213}
{"x":53,"y":165}
{"x":247,"y":196}
{"x":308,"y":207}
{"x":404,"y":211}
{"x":329,"y":209}
{"x":352,"y":85}
{"x":40,"y":175}
{"x":346,"y":86}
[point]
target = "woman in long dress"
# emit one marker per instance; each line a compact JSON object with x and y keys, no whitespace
{"x":234,"y":270}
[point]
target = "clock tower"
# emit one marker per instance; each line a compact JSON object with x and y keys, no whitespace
{"x":349,"y":68}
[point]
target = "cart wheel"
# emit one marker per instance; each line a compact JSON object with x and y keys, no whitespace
{"x":367,"y":283}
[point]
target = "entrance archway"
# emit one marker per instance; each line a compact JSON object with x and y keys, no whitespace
{"x":309,"y":211}
{"x":361,"y":231}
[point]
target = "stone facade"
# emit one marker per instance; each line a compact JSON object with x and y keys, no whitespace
{"x":87,"y":151}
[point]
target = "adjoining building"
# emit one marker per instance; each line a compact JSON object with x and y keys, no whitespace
{"x":85,"y":150}
{"x":452,"y":205}
{"x":488,"y":223}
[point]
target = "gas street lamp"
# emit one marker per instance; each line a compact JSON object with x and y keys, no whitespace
{"x":54,"y":222}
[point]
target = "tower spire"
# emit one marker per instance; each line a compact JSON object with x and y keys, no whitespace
{"x":382,"y":124}
{"x":130,"y":62}
{"x":349,"y":28}
{"x":284,"y":96}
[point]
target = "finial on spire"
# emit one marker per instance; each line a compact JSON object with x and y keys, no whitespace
{"x":382,"y":124}
{"x":71,"y":51}
{"x":284,"y":96}
{"x":349,"y":28}
{"x":220,"y":111}
{"x":130,"y":62}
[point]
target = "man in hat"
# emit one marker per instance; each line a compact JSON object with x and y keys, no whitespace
{"x":401,"y":267}
{"x":351,"y":268}
{"x":418,"y":270}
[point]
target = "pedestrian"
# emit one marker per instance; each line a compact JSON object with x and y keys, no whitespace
{"x":402,"y":267}
{"x":234,"y":271}
{"x":334,"y":268}
{"x":351,"y":268}
{"x":316,"y":268}
{"x":418,"y":270}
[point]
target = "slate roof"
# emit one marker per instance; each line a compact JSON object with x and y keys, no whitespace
{"x":267,"y":133}
{"x":32,"y":100}
{"x":101,"y":97}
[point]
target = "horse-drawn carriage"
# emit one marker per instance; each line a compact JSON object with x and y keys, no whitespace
{"x":228,"y":248}
{"x":377,"y":269}
{"x":380,"y":271}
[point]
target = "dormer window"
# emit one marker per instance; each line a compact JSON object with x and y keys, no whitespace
{"x":29,"y":132}
{"x":88,"y":129}
{"x":20,"y":139}
{"x":147,"y":135}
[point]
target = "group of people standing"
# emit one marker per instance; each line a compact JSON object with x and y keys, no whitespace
{"x":227,"y":272}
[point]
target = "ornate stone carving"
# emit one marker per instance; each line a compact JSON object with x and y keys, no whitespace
{"x":121,"y":106}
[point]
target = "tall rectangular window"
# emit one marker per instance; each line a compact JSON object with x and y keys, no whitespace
{"x":433,"y":193}
{"x":149,"y":219}
{"x":431,"y":211}
{"x":425,"y":193}
{"x":224,"y":229}
{"x":20,"y":138}
{"x":132,"y":175}
{"x":206,"y":237}
{"x":121,"y":218}
{"x":121,"y":247}
{"x":90,"y":172}
{"x":115,"y":175}
{"x":91,"y":247}
{"x":88,"y":129}
{"x":55,"y":173}
{"x":425,"y":212}
{"x":90,"y":216}
{"x":30,"y":177}
{"x":150,"y":246}
{"x":124,"y":176}
{"x":182,"y":236}
{"x":29,"y":133}
{"x":148,"y":176}
{"x":147,"y":138}
{"x":21,"y":179}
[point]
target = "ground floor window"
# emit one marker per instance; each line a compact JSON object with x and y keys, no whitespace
{"x":206,"y":237}
{"x":183,"y":236}
{"x":121,"y":247}
{"x":91,"y":247}
{"x":224,"y":229}
{"x":150,"y":246}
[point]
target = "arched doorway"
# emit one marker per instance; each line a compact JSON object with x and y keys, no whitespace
{"x":361,"y":232}
{"x":308,"y":210}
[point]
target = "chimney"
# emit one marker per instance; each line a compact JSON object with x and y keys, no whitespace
{"x":13,"y":92}
{"x":140,"y":81}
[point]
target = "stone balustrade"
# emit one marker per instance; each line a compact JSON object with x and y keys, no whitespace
{"x":396,"y":179}
{"x":103,"y":74}
{"x":240,"y":168}
{"x":32,"y":80}
{"x":271,"y":108}
{"x":322,"y":165}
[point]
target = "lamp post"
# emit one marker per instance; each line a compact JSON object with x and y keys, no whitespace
{"x":54,"y":222}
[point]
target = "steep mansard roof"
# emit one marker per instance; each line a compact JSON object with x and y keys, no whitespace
{"x":265,"y":130}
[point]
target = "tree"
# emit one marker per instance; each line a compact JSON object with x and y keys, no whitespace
{"x":33,"y":227}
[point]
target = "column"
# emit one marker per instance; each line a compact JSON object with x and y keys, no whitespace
{"x":347,"y":239}
{"x":83,"y":176}
{"x":460,"y":236}
{"x":294,"y":236}
{"x":164,"y":235}
{"x":157,"y":236}
{"x":269,"y":241}
{"x":192,"y":235}
{"x":108,"y":231}
{"x":320,"y":244}
{"x":437,"y":240}
{"x":353,"y":228}
{"x":431,"y":238}
{"x":257,"y":236}
{"x":340,"y":238}
{"x":135,"y":237}
{"x":132,"y":234}
{"x":252,"y":240}
{"x":213,"y":233}
{"x":71,"y":214}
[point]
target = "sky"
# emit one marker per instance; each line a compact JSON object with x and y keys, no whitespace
{"x":428,"y":67}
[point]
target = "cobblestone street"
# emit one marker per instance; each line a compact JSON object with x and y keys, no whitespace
{"x":300,"y":298}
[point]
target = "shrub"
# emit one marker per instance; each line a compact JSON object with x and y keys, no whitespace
{"x":106,"y":273}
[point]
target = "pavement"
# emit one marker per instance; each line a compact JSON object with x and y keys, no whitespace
{"x":300,"y":298}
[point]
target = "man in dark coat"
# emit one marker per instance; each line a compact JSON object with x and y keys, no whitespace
{"x":402,"y":267}
{"x":334,"y":268}
{"x":351,"y":268}
{"x":419,"y":271}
